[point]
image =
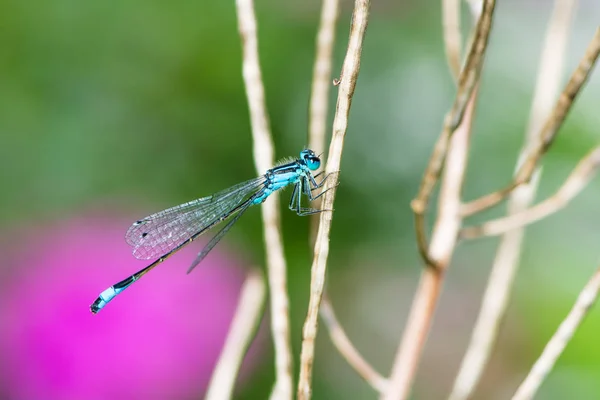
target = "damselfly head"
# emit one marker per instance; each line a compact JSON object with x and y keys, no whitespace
{"x":312,"y":161}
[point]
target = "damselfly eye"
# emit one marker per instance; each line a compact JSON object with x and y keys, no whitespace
{"x":305,"y":154}
{"x":313,"y":163}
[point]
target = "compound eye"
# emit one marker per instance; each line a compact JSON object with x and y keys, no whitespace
{"x":313,"y":163}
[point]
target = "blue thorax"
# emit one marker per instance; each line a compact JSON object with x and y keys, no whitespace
{"x":289,"y":173}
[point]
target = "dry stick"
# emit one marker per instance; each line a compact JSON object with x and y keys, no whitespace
{"x":264,"y":159}
{"x":452,"y":36}
{"x":575,"y":183}
{"x":316,"y":139}
{"x":450,"y":152}
{"x":455,"y":137}
{"x":466,"y":83}
{"x":242,"y":331}
{"x":347,"y":350}
{"x":321,"y":84}
{"x":559,"y":341}
{"x":495,"y":299}
{"x":548,"y":134}
{"x":348,"y":79}
{"x":442,"y":246}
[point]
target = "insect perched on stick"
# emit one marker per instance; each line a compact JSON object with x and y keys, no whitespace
{"x":166,"y":232}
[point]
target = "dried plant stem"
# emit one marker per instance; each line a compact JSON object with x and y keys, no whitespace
{"x":450,"y":154}
{"x":495,"y":299}
{"x":442,"y":247}
{"x":316,"y":139}
{"x":242,"y":331}
{"x":452,"y":36}
{"x":575,"y":183}
{"x":347,"y":350}
{"x":468,"y":78}
{"x":559,"y":341}
{"x":548,"y":133}
{"x":349,"y":76}
{"x":321,"y":83}
{"x":264,"y":159}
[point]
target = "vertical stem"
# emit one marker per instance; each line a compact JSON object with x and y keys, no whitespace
{"x":264,"y":159}
{"x":242,"y":331}
{"x":467,"y":80}
{"x":349,"y":77}
{"x":321,"y":83}
{"x":317,"y":123}
{"x":506,"y":262}
{"x":441,"y":249}
{"x":452,"y":37}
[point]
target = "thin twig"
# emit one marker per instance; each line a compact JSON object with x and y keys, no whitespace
{"x":321,"y":83}
{"x":452,"y":36}
{"x":347,"y":350}
{"x":316,"y":139}
{"x":469,"y":76}
{"x":548,"y":133}
{"x":559,"y":341}
{"x":575,"y":183}
{"x":264,"y":159}
{"x":348,"y":78}
{"x":442,"y":247}
{"x":506,"y":262}
{"x":242,"y":331}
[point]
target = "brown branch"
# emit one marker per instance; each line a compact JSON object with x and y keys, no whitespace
{"x":264,"y":159}
{"x":559,"y":341}
{"x":506,"y":262}
{"x":575,"y":183}
{"x":442,"y":247}
{"x":548,"y":133}
{"x":450,"y":152}
{"x":452,"y":36}
{"x":242,"y":331}
{"x":466,"y":85}
{"x":347,"y":350}
{"x":349,"y":76}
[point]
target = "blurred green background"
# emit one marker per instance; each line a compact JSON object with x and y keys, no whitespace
{"x":140,"y":105}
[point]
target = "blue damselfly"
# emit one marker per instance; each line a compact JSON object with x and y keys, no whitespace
{"x":162,"y":234}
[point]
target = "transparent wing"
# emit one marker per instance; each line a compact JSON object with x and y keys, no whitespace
{"x":160,"y":233}
{"x":213,"y":242}
{"x":138,"y":232}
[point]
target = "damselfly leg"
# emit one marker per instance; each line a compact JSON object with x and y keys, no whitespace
{"x":305,"y":186}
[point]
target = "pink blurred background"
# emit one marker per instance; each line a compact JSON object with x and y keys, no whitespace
{"x":159,"y":339}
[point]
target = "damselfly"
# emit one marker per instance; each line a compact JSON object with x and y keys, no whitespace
{"x":164,"y":233}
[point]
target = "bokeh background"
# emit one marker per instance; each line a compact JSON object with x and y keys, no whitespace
{"x":110,"y":111}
